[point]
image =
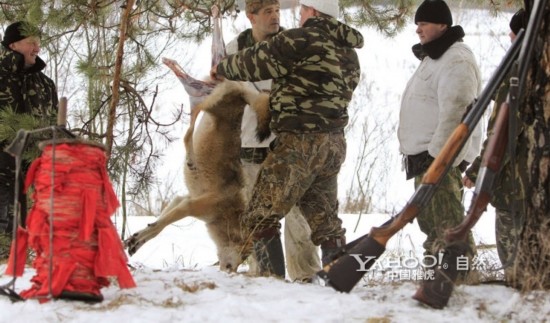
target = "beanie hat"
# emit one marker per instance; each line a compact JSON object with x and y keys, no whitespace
{"x":434,"y":11}
{"x":518,"y":21}
{"x":18,"y":31}
{"x":328,"y":7}
{"x":253,"y":6}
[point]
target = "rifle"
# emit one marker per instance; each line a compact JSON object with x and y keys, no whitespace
{"x":344,"y":272}
{"x":436,"y":292}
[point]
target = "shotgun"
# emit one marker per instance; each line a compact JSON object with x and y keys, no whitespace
{"x":436,"y":292}
{"x":345,"y":271}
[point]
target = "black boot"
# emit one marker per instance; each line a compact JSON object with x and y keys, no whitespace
{"x":268,"y":252}
{"x":330,"y":249}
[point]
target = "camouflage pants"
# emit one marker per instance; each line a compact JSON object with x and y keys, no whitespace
{"x":445,"y":210}
{"x":301,"y":169}
{"x":507,"y":230}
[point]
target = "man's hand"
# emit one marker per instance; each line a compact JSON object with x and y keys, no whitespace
{"x":214,"y":74}
{"x":467,"y":182}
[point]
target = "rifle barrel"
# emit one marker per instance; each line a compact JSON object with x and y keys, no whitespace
{"x":494,"y":82}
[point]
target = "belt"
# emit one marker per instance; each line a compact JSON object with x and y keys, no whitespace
{"x":254,"y":155}
{"x":415,"y":165}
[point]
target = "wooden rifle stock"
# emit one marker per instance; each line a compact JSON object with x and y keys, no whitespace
{"x":490,"y":166}
{"x":437,"y":291}
{"x":344,"y":272}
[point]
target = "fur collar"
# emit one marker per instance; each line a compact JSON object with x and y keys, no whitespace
{"x":437,"y":47}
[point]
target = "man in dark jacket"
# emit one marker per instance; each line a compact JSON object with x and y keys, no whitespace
{"x":314,"y":70}
{"x":24,"y":89}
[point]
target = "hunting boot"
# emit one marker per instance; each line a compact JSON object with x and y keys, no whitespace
{"x":268,"y":252}
{"x":330,"y":249}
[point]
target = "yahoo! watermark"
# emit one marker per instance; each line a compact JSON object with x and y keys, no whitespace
{"x":412,"y":267}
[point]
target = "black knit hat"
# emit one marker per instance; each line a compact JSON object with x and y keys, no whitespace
{"x":518,"y":21}
{"x":17,"y":31}
{"x":434,"y":11}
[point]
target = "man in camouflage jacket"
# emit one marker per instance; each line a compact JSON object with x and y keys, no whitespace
{"x":508,"y":187}
{"x":264,"y":17}
{"x":24,"y":89}
{"x":314,"y":70}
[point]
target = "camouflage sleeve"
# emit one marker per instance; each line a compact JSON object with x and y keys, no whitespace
{"x":266,"y":60}
{"x":351,"y":69}
{"x":9,"y":63}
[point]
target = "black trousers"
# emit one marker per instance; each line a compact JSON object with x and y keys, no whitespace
{"x":7,"y":193}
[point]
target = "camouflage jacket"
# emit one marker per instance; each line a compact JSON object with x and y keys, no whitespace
{"x":26,"y":90}
{"x":503,"y":185}
{"x":314,"y":70}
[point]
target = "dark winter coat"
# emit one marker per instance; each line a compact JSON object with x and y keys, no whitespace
{"x":314,"y":69}
{"x":26,"y":90}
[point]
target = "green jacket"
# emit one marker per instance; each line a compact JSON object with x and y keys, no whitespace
{"x":314,"y":70}
{"x":26,"y":90}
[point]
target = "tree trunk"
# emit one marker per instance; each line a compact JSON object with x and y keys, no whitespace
{"x":532,"y":263}
{"x":116,"y":75}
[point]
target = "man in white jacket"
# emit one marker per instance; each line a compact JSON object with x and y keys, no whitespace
{"x":302,"y":255}
{"x":433,"y":103}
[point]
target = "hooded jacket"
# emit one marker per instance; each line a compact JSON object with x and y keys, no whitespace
{"x":314,"y":69}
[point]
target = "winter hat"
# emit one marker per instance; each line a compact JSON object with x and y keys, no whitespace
{"x":434,"y":11}
{"x":518,"y":21}
{"x":18,"y":31}
{"x":253,"y":6}
{"x":328,"y":7}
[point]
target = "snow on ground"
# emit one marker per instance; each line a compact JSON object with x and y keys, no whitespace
{"x":176,"y":282}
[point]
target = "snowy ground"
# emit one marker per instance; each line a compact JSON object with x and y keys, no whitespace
{"x":177,"y":282}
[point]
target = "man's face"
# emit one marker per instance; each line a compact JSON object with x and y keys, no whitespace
{"x":306,"y":13}
{"x":266,"y":21}
{"x":428,"y":31}
{"x":29,"y":47}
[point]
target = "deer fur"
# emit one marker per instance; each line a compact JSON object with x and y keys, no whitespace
{"x":217,"y":188}
{"x":213,"y":173}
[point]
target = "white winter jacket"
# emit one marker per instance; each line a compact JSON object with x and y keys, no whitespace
{"x":434,"y":101}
